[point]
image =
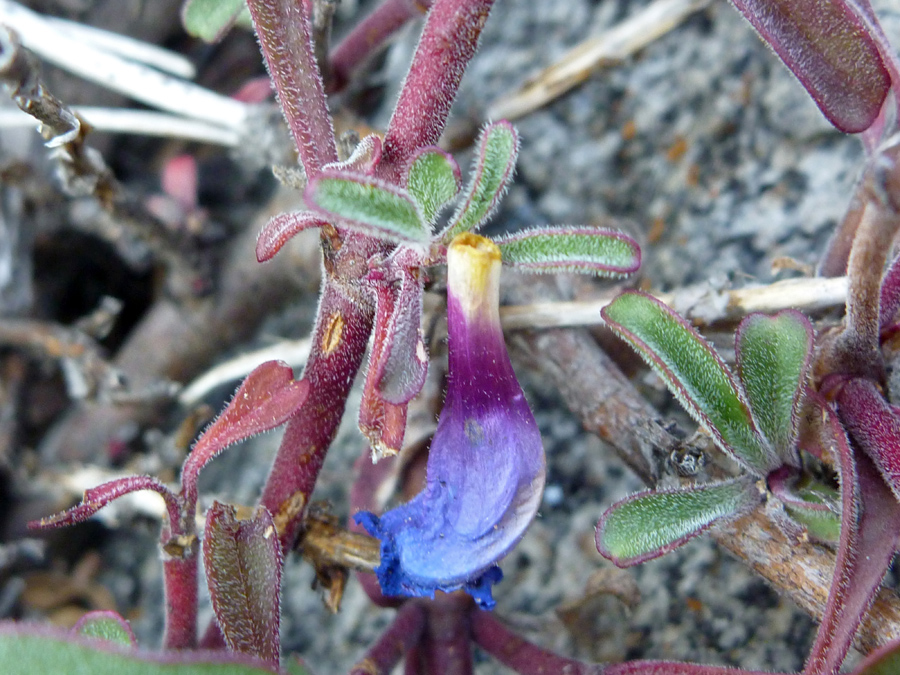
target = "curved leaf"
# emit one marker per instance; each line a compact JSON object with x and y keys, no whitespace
{"x":828,"y":48}
{"x":105,"y":625}
{"x":280,"y":229}
{"x":650,"y":524}
{"x":243,"y":563}
{"x":773,"y":355}
{"x":433,"y":180}
{"x":694,"y":373}
{"x":498,"y":148}
{"x":28,"y":649}
{"x":590,"y":250}
{"x":371,"y":206}
{"x":267,"y":397}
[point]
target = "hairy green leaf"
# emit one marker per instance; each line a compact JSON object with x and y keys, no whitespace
{"x":650,"y":524}
{"x":105,"y":625}
{"x":498,"y":148}
{"x":366,"y":204}
{"x":591,"y":250}
{"x":433,"y":180}
{"x":28,"y":649}
{"x":884,"y":661}
{"x":822,"y":524}
{"x":773,"y":361}
{"x":694,"y":373}
{"x":209,"y":20}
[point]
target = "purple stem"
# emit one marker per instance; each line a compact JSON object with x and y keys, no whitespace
{"x":402,"y":635}
{"x":520,"y":655}
{"x":180,"y":581}
{"x":870,"y":523}
{"x":339,"y":341}
{"x":412,"y":664}
{"x":445,"y":646}
{"x":858,"y":348}
{"x":213,"y":638}
{"x":370,"y":35}
{"x":449,"y":40}
{"x":283,"y":27}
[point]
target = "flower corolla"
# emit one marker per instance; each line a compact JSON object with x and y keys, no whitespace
{"x":486,"y":469}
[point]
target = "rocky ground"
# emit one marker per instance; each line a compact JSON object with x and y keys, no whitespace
{"x":706,"y":148}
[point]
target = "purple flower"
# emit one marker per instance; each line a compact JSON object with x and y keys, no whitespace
{"x":486,"y":469}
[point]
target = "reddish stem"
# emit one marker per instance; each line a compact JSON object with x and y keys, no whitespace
{"x":520,"y":655}
{"x":180,"y":581}
{"x":402,"y":635}
{"x":285,"y":38}
{"x":449,"y":40}
{"x":446,"y":644}
{"x":339,"y":342}
{"x":370,"y":35}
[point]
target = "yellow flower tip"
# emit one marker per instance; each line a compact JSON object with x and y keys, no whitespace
{"x":480,"y":246}
{"x":473,"y":273}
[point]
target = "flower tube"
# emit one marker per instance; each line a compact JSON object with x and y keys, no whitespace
{"x":485,"y":472}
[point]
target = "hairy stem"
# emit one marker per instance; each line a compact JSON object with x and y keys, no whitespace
{"x":445,"y":644}
{"x":448,"y":42}
{"x":338,"y":345}
{"x":370,"y":35}
{"x":180,"y":581}
{"x":520,"y":655}
{"x":403,"y":633}
{"x":283,"y":28}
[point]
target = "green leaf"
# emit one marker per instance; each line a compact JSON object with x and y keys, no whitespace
{"x":809,"y":502}
{"x":210,"y":20}
{"x":433,"y":180}
{"x":884,"y":661}
{"x":773,"y":356}
{"x":694,"y":373}
{"x":591,"y":250}
{"x":498,"y":148}
{"x":368,"y":205}
{"x":650,"y":524}
{"x":105,"y":625}
{"x":243,"y":563}
{"x":29,"y":649}
{"x":824,"y":525}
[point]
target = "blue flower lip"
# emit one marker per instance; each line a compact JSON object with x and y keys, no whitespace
{"x":486,"y":469}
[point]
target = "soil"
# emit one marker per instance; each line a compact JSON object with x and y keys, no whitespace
{"x":702,"y":145}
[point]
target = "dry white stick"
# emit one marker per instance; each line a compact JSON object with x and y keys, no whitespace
{"x":808,"y":295}
{"x":132,"y":79}
{"x":139,"y":122}
{"x":577,"y":65}
{"x":705,"y":306}
{"x":293,"y":352}
{"x":127,"y":47}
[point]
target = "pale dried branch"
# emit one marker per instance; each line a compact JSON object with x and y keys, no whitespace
{"x":610,"y":48}
{"x":701,"y":304}
{"x":106,"y":68}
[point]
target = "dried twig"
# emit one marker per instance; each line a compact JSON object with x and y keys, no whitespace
{"x":701,"y":304}
{"x":84,"y":173}
{"x":87,"y":373}
{"x":610,"y":48}
{"x":138,"y":122}
{"x":106,"y":68}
